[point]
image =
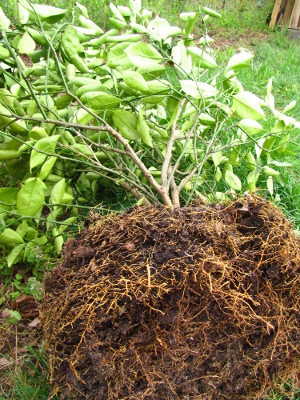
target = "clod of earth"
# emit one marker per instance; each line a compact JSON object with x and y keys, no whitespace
{"x":199,"y":304}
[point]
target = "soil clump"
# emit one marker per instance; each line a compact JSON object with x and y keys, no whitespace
{"x":199,"y":304}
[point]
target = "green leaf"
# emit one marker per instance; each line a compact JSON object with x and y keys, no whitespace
{"x":247,"y":105}
{"x":189,"y":18}
{"x":38,"y":133}
{"x":14,"y":256}
{"x":22,"y":229}
{"x":212,"y":13}
{"x":250,"y":126}
{"x":270,"y":171}
{"x":117,"y":57}
{"x":71,"y":43}
{"x":31,"y":198}
{"x":198,"y":90}
{"x":159,"y":29}
{"x":82,"y":116}
{"x":83,"y":149}
{"x":58,"y":241}
{"x":135,"y":80}
{"x":26,"y":44}
{"x":126,"y":124}
{"x":125,"y":11}
{"x":218,"y":174}
{"x":42,"y":149}
{"x":6,"y":155}
{"x":129,"y":37}
{"x":270,"y":185}
{"x":10,"y":237}
{"x":283,"y":143}
{"x":47,"y":168}
{"x":289,"y":107}
{"x":68,"y":222}
{"x":100,"y":100}
{"x":239,"y":61}
{"x":48,"y":13}
{"x":251,"y":162}
{"x":217,"y":157}
{"x":83,"y":9}
{"x":4,"y":21}
{"x":143,"y":130}
{"x":143,"y":55}
{"x":281,"y":163}
{"x":87,"y":23}
{"x":116,"y":12}
{"x":158,"y":87}
{"x":4,"y":53}
{"x":6,"y":120}
{"x":8,"y":196}
{"x":58,"y":192}
{"x":116,"y":23}
{"x":23,"y":14}
{"x":206,"y":119}
{"x":202,"y":59}
{"x":12,"y":317}
{"x":251,"y":181}
{"x":232,"y":180}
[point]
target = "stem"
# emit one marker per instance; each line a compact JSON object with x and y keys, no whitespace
{"x":135,"y":193}
{"x":167,"y":161}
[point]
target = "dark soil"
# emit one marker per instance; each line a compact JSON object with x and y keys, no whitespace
{"x":200,"y":304}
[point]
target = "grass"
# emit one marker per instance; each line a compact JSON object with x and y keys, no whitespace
{"x":30,"y":380}
{"x":276,"y":57}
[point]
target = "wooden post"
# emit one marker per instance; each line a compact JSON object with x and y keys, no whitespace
{"x":275,"y":13}
{"x":295,"y":18}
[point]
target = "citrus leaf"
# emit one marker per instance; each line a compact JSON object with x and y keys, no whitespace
{"x":47,"y":168}
{"x":58,"y":192}
{"x":135,"y":80}
{"x":26,"y":44}
{"x":48,"y":13}
{"x":202,"y":59}
{"x":143,"y":55}
{"x":212,"y":13}
{"x":270,"y":185}
{"x":83,"y":149}
{"x":232,"y":180}
{"x":270,"y":171}
{"x":250,"y":126}
{"x":42,"y":149}
{"x":4,"y":21}
{"x":247,"y":105}
{"x":143,"y":130}
{"x":8,"y":196}
{"x":31,"y":198}
{"x":198,"y":90}
{"x":126,"y":123}
{"x":118,"y":57}
{"x":239,"y":61}
{"x":10,"y":237}
{"x":100,"y":100}
{"x":14,"y":256}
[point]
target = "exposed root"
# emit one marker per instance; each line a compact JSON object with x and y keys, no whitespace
{"x":200,"y":304}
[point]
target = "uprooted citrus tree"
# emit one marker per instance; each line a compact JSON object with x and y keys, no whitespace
{"x":143,"y":106}
{"x":161,"y":302}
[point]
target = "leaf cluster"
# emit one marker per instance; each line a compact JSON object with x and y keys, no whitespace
{"x":143,"y":106}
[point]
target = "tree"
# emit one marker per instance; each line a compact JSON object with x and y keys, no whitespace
{"x":144,"y":106}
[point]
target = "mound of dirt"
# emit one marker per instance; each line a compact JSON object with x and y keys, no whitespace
{"x":199,"y":304}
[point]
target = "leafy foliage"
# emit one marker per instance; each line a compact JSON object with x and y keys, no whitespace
{"x":144,"y":106}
